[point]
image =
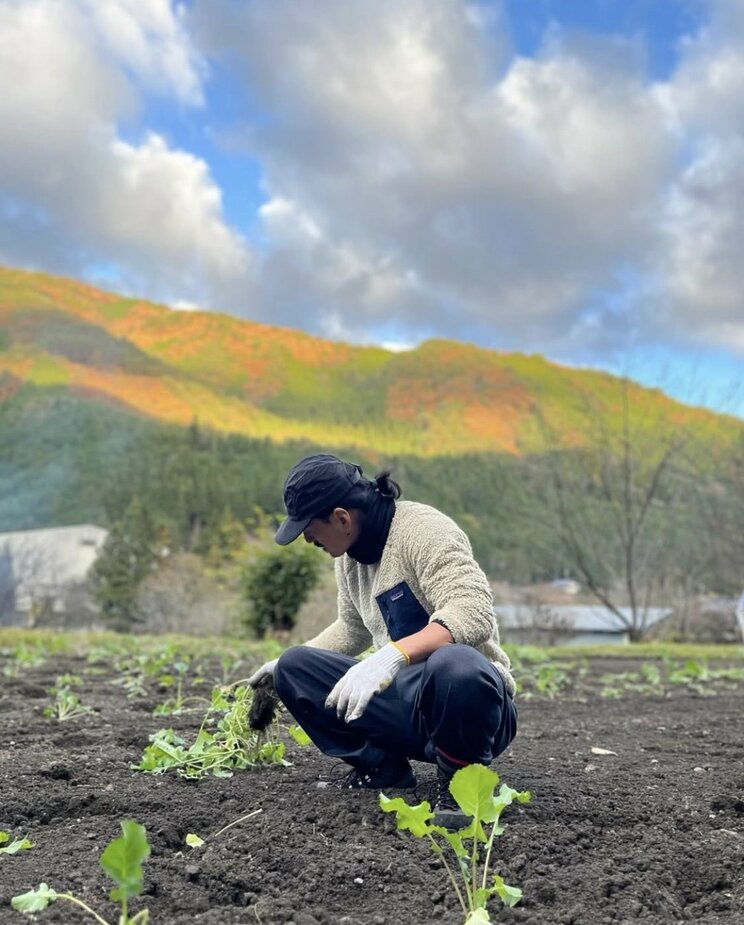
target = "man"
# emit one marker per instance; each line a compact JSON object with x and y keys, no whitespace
{"x":438,"y":686}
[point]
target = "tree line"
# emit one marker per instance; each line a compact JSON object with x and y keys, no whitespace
{"x":634,"y":509}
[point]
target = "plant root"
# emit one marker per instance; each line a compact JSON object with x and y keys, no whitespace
{"x":263,"y":705}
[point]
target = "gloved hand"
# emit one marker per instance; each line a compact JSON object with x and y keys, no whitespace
{"x":266,"y":669}
{"x":362,"y":681}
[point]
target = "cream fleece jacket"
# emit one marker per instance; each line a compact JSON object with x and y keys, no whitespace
{"x":426,"y":555}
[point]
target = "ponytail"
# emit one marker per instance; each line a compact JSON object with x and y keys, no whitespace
{"x":386,"y":486}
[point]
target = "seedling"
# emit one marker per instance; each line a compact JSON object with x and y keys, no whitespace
{"x":230,"y":664}
{"x":176,"y":679}
{"x":546,"y":678}
{"x":22,"y":658}
{"x":122,"y":860}
{"x":474,"y":790}
{"x":133,"y":676}
{"x":66,"y":705}
{"x":550,"y":678}
{"x":18,"y":844}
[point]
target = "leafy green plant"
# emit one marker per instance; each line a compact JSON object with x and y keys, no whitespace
{"x":122,"y":860}
{"x":18,"y":844}
{"x":136,"y":669}
{"x":232,"y":746}
{"x":22,"y":658}
{"x":693,"y":674}
{"x":276,"y":583}
{"x":474,"y":790}
{"x":176,"y":679}
{"x":550,"y":678}
{"x":66,"y":704}
{"x":230,"y":665}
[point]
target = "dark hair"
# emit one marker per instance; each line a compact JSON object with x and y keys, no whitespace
{"x":386,"y":486}
{"x":361,"y":497}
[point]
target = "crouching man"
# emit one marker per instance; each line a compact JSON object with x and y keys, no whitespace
{"x":438,"y":686}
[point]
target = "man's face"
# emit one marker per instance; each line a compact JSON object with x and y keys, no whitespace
{"x":334,"y":535}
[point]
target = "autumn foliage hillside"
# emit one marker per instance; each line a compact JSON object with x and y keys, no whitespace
{"x":236,"y":376}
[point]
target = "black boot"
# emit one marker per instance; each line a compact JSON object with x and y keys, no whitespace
{"x":394,"y":772}
{"x":447,"y":813}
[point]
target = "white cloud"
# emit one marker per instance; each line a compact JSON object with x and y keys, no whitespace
{"x":73,"y":191}
{"x":148,"y":37}
{"x":420,"y":179}
{"x":445,"y":186}
{"x":700,"y":270}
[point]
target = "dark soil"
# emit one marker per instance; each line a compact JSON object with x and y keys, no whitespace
{"x":653,"y":833}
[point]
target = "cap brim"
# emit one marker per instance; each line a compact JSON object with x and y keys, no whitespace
{"x":290,"y":530}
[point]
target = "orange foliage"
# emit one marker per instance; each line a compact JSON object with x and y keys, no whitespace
{"x":9,"y":385}
{"x":494,"y":426}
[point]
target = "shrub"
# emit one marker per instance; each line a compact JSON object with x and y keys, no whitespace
{"x":276,"y":583}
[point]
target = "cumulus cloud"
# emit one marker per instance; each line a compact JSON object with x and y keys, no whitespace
{"x":419,"y":177}
{"x":149,"y":39}
{"x":439,"y":180}
{"x":700,"y":270}
{"x":73,"y":192}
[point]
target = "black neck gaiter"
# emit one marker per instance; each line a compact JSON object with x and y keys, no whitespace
{"x":376,"y":520}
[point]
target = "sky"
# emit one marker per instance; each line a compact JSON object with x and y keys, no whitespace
{"x":545,"y":176}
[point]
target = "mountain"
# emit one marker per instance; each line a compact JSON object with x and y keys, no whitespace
{"x":197,"y":417}
{"x":234,"y":376}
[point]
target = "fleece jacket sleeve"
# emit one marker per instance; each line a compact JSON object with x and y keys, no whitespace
{"x":453,"y":581}
{"x":347,"y":634}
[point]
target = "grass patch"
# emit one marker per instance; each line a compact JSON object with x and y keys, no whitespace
{"x":680,"y":651}
{"x":78,"y":642}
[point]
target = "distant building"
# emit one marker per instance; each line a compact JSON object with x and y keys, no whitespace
{"x":568,"y":624}
{"x":43,"y":574}
{"x":566,"y":586}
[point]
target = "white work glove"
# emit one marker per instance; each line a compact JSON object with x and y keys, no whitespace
{"x":266,"y":669}
{"x":362,"y":681}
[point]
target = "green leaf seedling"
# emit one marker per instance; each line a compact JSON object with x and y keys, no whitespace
{"x":176,"y":680}
{"x":122,"y":860}
{"x":23,"y":658}
{"x":18,"y":844}
{"x":474,"y":790}
{"x":66,"y":705}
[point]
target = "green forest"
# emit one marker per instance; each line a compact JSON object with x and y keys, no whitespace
{"x":67,"y":460}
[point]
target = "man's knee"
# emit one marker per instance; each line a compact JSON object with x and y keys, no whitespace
{"x":459,"y":664}
{"x":291,"y":663}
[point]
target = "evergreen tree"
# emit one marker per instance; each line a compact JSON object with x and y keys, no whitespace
{"x":129,"y":554}
{"x":276,"y":583}
{"x":225,"y":540}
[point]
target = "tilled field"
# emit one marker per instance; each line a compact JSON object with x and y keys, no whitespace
{"x":653,"y":833}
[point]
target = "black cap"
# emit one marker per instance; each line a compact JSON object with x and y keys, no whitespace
{"x":314,"y":486}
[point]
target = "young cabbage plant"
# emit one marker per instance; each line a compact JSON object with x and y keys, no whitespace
{"x":66,"y":704}
{"x":122,"y":860}
{"x":176,"y":679}
{"x":474,"y":790}
{"x":23,"y":658}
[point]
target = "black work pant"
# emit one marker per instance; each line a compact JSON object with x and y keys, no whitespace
{"x":454,"y":704}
